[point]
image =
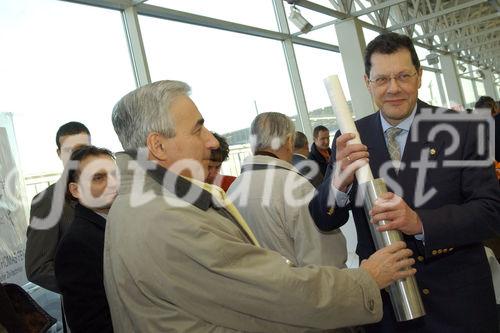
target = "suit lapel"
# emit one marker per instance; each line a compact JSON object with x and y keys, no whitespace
{"x":417,"y":151}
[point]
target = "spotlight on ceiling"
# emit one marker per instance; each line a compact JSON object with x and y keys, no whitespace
{"x":432,"y":58}
{"x":298,"y":20}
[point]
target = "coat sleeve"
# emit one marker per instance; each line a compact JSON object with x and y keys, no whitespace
{"x":228,"y":282}
{"x":41,"y":244}
{"x":325,"y":214}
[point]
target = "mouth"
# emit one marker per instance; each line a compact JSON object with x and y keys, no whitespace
{"x":395,"y":101}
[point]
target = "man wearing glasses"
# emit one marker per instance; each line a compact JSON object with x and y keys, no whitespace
{"x":444,"y":211}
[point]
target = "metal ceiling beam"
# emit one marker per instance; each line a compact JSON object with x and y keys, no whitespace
{"x":460,"y":25}
{"x":436,"y":14}
{"x":331,"y":13}
{"x":474,"y":46}
{"x":110,"y":4}
{"x":321,"y":9}
{"x":480,"y":33}
{"x":178,"y":16}
{"x":376,"y":7}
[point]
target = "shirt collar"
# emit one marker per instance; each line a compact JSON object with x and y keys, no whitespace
{"x":404,"y":125}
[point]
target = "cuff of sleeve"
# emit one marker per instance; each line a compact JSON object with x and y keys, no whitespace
{"x":341,"y":198}
{"x":371,"y":294}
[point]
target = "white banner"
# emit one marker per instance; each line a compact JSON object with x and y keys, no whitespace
{"x":13,"y":207}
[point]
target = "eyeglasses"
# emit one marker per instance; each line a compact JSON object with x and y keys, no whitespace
{"x":383,"y":80}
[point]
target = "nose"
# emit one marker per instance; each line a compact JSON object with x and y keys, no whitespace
{"x":113,"y":181}
{"x":393,"y":85}
{"x":212,"y":142}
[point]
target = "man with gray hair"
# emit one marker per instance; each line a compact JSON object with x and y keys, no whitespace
{"x":277,"y":196}
{"x":178,"y":257}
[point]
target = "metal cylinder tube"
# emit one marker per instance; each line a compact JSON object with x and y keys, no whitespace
{"x":404,"y":293}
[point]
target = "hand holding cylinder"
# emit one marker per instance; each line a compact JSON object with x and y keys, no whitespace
{"x":349,"y":158}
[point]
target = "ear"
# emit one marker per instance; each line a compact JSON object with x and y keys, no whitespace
{"x":289,"y":142}
{"x":367,"y":83}
{"x":58,"y":151}
{"x":156,"y":147}
{"x":420,"y":71}
{"x":74,"y":190}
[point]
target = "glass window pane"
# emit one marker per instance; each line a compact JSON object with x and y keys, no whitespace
{"x":468,"y":91}
{"x":257,"y":13}
{"x":429,"y":89}
{"x":60,"y":62}
{"x":233,"y":76}
{"x":314,"y":66}
{"x":480,"y":88}
{"x":369,"y":35}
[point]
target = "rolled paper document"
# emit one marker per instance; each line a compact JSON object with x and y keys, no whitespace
{"x":344,"y":120}
{"x":404,"y":294}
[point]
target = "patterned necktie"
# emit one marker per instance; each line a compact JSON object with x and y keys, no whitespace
{"x":393,"y":145}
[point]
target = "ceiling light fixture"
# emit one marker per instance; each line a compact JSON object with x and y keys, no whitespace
{"x":298,"y":20}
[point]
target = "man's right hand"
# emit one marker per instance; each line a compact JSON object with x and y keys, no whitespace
{"x":349,"y":158}
{"x":390,"y":264}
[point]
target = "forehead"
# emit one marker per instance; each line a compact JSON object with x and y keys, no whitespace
{"x":95,"y":163}
{"x":74,"y":140}
{"x":184,"y":114}
{"x":391,"y":63}
{"x":323,"y":134}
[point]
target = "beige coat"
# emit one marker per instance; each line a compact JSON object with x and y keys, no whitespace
{"x":274,"y":200}
{"x":169,"y":268}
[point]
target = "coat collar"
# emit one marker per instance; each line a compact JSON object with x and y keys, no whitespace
{"x":89,"y":215}
{"x":176,"y":184}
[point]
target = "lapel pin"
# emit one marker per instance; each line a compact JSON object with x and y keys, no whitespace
{"x":432,"y":151}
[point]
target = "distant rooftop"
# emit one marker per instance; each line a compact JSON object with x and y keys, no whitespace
{"x":323,"y":116}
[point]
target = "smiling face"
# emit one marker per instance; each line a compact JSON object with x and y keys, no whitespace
{"x":396,"y":100}
{"x":322,"y":141}
{"x":192,"y":141}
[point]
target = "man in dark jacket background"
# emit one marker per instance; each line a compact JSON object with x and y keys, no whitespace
{"x":320,"y":149}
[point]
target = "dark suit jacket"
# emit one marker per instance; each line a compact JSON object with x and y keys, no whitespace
{"x":79,"y":273}
{"x":464,"y":211}
{"x":41,"y":244}
{"x":303,"y":166}
{"x":316,"y":156}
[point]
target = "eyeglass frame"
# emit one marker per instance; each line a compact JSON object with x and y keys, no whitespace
{"x":389,"y":78}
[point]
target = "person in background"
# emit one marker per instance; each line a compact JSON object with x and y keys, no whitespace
{"x":218,"y":156}
{"x":276,"y":199}
{"x":79,"y":258}
{"x":306,"y":167}
{"x":51,"y":213}
{"x":320,"y":149}
{"x":486,"y":102}
{"x":444,"y":212}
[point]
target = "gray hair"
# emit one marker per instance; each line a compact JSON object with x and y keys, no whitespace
{"x":146,"y":110}
{"x":270,"y":130}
